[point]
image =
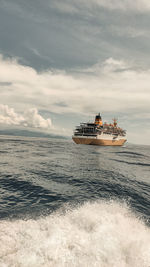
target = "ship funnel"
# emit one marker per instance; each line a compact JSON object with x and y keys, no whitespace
{"x":98,"y":120}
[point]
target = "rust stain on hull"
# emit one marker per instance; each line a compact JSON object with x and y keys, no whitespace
{"x":99,"y":142}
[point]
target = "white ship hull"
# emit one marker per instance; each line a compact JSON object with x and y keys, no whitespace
{"x":100,"y":140}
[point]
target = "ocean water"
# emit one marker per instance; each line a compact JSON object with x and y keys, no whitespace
{"x":63,"y":204}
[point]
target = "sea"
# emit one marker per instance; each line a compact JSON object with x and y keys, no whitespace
{"x":63,"y":204}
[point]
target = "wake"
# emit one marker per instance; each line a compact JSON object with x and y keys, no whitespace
{"x":104,"y":234}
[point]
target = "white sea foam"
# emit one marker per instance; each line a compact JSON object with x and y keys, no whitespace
{"x":95,"y":234}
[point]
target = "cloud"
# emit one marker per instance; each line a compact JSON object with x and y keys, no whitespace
{"x":110,"y":65}
{"x":65,"y":7}
{"x":89,"y":31}
{"x":30,"y":118}
{"x":123,"y":5}
{"x":128,"y":31}
{"x":33,"y":119}
{"x":9,"y":116}
{"x":112,"y":87}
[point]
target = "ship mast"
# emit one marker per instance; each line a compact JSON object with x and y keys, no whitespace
{"x":115,"y":122}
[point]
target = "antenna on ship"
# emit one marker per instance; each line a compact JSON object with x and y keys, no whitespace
{"x":115,"y":122}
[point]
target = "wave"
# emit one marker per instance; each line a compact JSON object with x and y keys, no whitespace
{"x":94,"y":234}
{"x":133,"y":163}
{"x":128,"y":153}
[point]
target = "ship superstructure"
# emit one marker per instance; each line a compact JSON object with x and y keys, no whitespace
{"x":98,"y":133}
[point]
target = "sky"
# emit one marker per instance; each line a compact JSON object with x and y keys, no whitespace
{"x":62,"y":62}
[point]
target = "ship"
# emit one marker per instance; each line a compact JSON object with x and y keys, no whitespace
{"x":99,"y":133}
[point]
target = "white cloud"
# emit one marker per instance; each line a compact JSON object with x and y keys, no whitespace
{"x":30,"y":118}
{"x":33,"y":119}
{"x":113,"y":86}
{"x":110,"y":65}
{"x":9,"y":116}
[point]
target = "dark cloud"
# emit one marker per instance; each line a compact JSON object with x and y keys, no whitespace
{"x":5,"y":83}
{"x":61,"y":104}
{"x":47,"y":34}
